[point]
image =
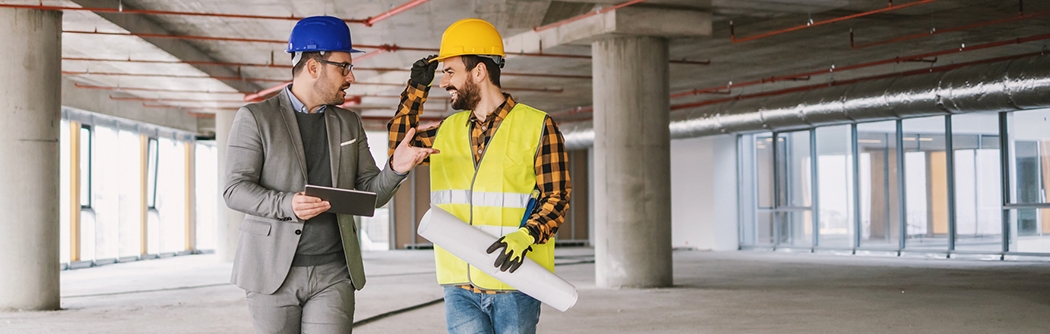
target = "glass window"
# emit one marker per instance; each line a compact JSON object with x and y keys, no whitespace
{"x":926,"y":183}
{"x":1029,"y":135}
{"x":746,"y":201}
{"x":168,"y":233}
{"x":64,"y":194}
{"x":107,"y":204}
{"x":978,"y":190}
{"x":85,"y":166}
{"x":1031,"y":226}
{"x":764,"y":232}
{"x":764,"y":228}
{"x":1029,"y":170}
{"x":764,"y":169}
{"x":207,"y":187}
{"x":153,"y":158}
{"x":835,"y":185}
{"x":794,"y":189}
{"x":879,"y":186}
{"x":127,"y":171}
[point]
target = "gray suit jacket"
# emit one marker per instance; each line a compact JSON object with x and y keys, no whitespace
{"x":266,"y":165}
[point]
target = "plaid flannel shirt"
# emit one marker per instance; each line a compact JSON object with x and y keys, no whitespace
{"x":552,"y":167}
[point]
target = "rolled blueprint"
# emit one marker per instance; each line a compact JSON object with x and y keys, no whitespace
{"x":468,"y":243}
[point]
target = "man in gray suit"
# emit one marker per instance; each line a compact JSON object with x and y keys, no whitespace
{"x":299,"y":264}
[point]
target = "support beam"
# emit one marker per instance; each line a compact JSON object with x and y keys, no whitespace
{"x":632,"y":145}
{"x":633,"y":173}
{"x":30,"y":95}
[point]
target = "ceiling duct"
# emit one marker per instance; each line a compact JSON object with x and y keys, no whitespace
{"x":1002,"y":86}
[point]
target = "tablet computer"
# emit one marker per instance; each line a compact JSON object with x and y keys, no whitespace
{"x":345,"y":201}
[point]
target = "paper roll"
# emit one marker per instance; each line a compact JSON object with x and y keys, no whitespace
{"x":469,"y":243}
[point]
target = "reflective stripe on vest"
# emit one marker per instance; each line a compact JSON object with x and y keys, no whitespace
{"x":506,"y":200}
{"x":493,"y":195}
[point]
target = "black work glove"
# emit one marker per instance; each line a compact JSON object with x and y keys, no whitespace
{"x":423,"y":71}
{"x":516,"y":245}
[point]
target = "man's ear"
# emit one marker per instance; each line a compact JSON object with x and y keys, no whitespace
{"x":480,"y":73}
{"x":313,"y":67}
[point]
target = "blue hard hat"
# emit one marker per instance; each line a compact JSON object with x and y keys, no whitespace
{"x":320,"y":33}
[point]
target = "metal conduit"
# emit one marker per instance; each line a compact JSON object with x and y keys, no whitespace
{"x":1001,"y":86}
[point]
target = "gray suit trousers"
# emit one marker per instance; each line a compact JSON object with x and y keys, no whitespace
{"x":318,"y":299}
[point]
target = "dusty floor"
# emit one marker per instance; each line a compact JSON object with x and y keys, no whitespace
{"x":714,"y":292}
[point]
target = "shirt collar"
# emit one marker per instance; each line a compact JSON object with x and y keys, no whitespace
{"x":297,"y":105}
{"x":498,"y":114}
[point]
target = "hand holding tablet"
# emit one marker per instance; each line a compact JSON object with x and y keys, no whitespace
{"x":345,"y":201}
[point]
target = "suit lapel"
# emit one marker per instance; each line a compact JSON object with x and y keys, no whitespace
{"x":333,"y":126}
{"x":292,"y":125}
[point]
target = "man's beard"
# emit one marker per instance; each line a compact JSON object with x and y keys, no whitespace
{"x":468,"y":97}
{"x":327,"y":94}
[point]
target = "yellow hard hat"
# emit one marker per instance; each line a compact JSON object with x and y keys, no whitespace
{"x":470,"y":37}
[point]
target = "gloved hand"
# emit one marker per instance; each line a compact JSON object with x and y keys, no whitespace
{"x":515,"y":245}
{"x":423,"y":71}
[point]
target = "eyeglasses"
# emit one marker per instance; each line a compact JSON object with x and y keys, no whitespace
{"x":346,"y":67}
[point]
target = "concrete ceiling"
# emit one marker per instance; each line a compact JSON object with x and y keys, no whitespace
{"x":814,"y":48}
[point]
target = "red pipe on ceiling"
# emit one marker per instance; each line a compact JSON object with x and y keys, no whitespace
{"x":810,"y":24}
{"x":941,"y":31}
{"x":266,"y":93}
{"x":369,"y":55}
{"x":160,"y":90}
{"x":168,"y":106}
{"x":386,"y":47}
{"x":284,"y":82}
{"x":189,"y":37}
{"x":173,"y":76}
{"x":149,"y":99}
{"x":864,"y":65}
{"x":721,"y":89}
{"x":844,"y":82}
{"x":397,"y":10}
{"x":583,"y":16}
{"x":188,"y":62}
{"x":367,"y":22}
{"x":852,"y":81}
{"x":356,"y":68}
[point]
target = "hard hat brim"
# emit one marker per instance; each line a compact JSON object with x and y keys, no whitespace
{"x":315,"y":50}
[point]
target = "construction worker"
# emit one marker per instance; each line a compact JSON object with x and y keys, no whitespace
{"x":497,"y":157}
{"x":298,"y":264}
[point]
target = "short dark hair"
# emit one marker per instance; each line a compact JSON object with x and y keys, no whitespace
{"x":472,"y":61}
{"x":307,"y":56}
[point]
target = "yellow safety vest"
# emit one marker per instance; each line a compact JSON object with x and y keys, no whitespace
{"x":492,"y":197}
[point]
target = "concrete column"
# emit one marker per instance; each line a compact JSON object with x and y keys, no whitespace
{"x":632,"y":156}
{"x":228,"y":221}
{"x":30,"y":100}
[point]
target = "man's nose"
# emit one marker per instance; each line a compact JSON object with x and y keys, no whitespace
{"x":349,"y":78}
{"x":444,"y":82}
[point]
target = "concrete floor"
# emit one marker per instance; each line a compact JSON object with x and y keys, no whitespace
{"x":715,"y":292}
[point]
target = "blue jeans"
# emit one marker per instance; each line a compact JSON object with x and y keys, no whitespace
{"x":467,"y":312}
